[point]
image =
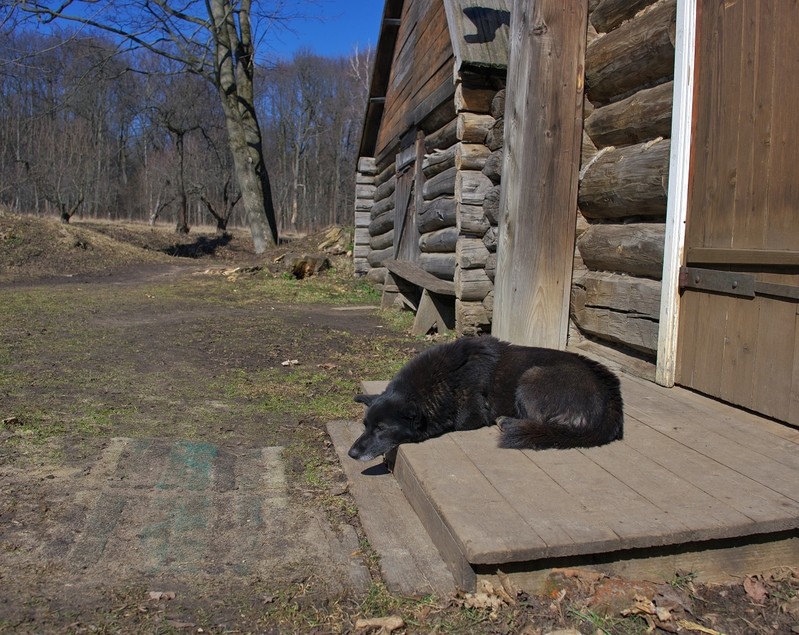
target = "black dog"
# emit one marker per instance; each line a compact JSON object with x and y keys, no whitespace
{"x":540,"y":398}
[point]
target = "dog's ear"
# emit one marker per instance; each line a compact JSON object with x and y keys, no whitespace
{"x":368,"y":400}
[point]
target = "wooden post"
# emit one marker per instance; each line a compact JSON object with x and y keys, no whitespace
{"x":679,"y":180}
{"x":543,"y":129}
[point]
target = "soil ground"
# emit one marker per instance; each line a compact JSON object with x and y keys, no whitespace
{"x":164,"y":465}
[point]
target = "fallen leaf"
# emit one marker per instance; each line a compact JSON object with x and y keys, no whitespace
{"x":384,"y":625}
{"x":693,"y":626}
{"x":162,"y":595}
{"x":791,"y":607}
{"x":290,"y":362}
{"x":755,"y":589}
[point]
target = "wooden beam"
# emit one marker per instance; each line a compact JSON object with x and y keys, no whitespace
{"x":543,"y":131}
{"x":677,"y":198}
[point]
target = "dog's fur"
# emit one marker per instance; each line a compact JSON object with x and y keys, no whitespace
{"x":540,"y":398}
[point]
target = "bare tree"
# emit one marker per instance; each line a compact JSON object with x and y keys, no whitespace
{"x":216,"y":41}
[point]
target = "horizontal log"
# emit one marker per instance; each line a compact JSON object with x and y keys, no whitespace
{"x":376,"y":275}
{"x":438,"y":161}
{"x":634,"y":248}
{"x":471,"y":318}
{"x":381,"y":207}
{"x":376,"y":257}
{"x":472,"y":220}
{"x":440,"y":185}
{"x":626,"y":294}
{"x":382,"y":241}
{"x":471,"y":156}
{"x":386,"y":189}
{"x":440,"y":265}
{"x":626,"y":182}
{"x":385,"y":173}
{"x":360,"y":266}
{"x":609,"y":14}
{"x":439,"y":241}
{"x":476,"y":100}
{"x":643,"y":116}
{"x":490,"y":239}
{"x":367,"y":165}
{"x":639,"y":54}
{"x":471,"y":253}
{"x":363,"y":204}
{"x":381,"y":223}
{"x":587,"y":149}
{"x":437,"y":214}
{"x":473,"y":128}
{"x":364,"y":191}
{"x":621,"y":328}
{"x":472,"y":284}
{"x":493,"y":166}
{"x":471,"y":187}
{"x":491,"y":266}
{"x":361,"y":251}
{"x":491,"y":204}
{"x":463,"y":156}
{"x":498,"y":105}
{"x":362,"y":236}
{"x":443,"y":138}
{"x":495,"y":138}
{"x":364,"y":179}
{"x":362,"y":219}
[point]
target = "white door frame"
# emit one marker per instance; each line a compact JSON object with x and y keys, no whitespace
{"x":677,"y":205}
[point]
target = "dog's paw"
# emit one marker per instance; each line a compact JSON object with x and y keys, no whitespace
{"x":505,"y":423}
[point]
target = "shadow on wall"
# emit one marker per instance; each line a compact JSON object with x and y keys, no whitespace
{"x":487,"y":22}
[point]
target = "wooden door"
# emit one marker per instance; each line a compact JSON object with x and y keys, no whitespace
{"x":739,"y":328}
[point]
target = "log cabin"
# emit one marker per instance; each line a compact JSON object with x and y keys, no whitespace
{"x":642,"y":210}
{"x":429,"y":156}
{"x":676,"y":259}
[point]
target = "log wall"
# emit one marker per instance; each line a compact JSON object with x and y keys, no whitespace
{"x":364,"y":200}
{"x":624,"y":175}
{"x":457,"y":241}
{"x":622,"y":192}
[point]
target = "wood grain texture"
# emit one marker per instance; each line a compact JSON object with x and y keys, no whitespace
{"x":543,"y":129}
{"x":690,"y":474}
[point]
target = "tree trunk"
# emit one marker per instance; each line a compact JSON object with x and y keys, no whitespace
{"x":234,"y":66}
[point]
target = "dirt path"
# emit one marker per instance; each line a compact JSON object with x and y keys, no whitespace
{"x":164,"y":465}
{"x":154,"y":442}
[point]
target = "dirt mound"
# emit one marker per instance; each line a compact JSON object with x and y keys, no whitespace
{"x":34,"y":247}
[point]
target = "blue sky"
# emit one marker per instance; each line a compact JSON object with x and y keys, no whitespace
{"x":344,"y":24}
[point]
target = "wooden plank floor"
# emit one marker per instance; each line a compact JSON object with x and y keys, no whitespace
{"x":694,"y":484}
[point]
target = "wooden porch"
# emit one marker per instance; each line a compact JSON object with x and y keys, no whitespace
{"x":695,"y":485}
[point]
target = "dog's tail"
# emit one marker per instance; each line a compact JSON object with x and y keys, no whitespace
{"x":567,"y":430}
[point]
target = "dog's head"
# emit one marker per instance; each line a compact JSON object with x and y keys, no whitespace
{"x":390,"y":420}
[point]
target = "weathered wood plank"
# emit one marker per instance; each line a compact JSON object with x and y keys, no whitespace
{"x":409,"y":561}
{"x":483,"y":524}
{"x":561,"y":522}
{"x":418,"y":276}
{"x":541,"y":165}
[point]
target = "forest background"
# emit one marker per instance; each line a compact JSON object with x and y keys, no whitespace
{"x":84,"y":134}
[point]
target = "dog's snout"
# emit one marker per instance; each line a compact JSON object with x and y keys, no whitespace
{"x":353,"y":453}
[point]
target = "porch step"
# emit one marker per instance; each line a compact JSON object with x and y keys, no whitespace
{"x":695,"y":485}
